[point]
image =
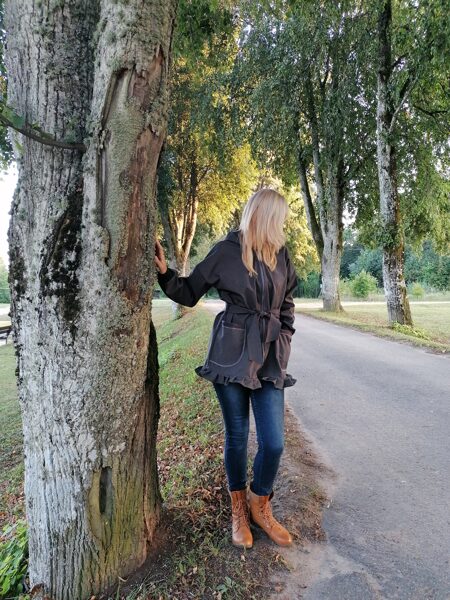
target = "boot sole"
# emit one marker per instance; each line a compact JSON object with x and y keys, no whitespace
{"x":242,"y":545}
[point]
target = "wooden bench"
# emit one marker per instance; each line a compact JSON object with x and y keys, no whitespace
{"x":5,"y":331}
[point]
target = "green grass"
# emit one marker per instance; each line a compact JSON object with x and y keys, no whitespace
{"x":11,"y":449}
{"x":431,"y":323}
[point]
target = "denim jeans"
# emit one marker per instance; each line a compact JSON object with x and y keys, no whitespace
{"x":268,"y":410}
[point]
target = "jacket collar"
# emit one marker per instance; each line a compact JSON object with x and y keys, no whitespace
{"x":233,"y":236}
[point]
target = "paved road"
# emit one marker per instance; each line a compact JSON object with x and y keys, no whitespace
{"x":379,"y":414}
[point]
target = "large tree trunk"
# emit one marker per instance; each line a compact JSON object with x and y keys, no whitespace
{"x":81,"y":247}
{"x":327,"y":236}
{"x":393,"y":238}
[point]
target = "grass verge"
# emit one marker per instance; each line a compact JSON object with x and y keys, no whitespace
{"x":11,"y":447}
{"x":431,"y":323}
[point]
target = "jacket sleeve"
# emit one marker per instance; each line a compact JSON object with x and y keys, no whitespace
{"x":287,"y":308}
{"x":188,"y":290}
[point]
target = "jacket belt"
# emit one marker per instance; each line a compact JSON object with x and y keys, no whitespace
{"x":254,"y":338}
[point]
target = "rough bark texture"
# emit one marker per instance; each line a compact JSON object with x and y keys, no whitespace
{"x":393,"y":239}
{"x":332,"y":228}
{"x":81,"y":276}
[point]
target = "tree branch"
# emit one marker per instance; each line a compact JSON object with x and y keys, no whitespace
{"x":404,"y":93}
{"x":430,"y":113}
{"x":40,"y":136}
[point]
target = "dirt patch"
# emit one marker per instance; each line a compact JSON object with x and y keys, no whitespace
{"x":154,"y":579}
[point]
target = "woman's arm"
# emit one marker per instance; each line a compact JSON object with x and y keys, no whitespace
{"x":188,"y":290}
{"x":287,"y":309}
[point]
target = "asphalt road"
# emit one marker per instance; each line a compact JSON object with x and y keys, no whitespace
{"x":378,"y":412}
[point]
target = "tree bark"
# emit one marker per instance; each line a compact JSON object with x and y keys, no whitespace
{"x":81,"y":247}
{"x":332,"y":229}
{"x":393,"y":238}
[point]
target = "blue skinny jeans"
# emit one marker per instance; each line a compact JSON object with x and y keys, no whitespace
{"x":268,"y":410}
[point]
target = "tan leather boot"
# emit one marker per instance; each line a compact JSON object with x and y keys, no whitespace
{"x":241,"y":534}
{"x":261,"y":514}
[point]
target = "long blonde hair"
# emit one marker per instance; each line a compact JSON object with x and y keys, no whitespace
{"x":261,"y":228}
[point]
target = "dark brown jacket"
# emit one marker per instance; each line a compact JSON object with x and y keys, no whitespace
{"x":250,"y":339}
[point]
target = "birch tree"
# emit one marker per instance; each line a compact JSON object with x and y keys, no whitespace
{"x":413,"y":107}
{"x":88,"y":81}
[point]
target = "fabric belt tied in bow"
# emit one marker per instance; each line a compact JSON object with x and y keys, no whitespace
{"x":253,"y":328}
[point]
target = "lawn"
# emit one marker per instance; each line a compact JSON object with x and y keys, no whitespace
{"x":11,"y":451}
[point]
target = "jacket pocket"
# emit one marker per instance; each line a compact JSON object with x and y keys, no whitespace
{"x":284,"y":349}
{"x":228,"y":345}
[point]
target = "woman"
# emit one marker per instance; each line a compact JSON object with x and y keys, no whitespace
{"x":248,"y":350}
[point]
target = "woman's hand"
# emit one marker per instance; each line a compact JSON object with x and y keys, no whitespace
{"x":160,"y":260}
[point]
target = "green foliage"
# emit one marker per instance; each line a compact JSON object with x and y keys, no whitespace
{"x":13,"y":558}
{"x":300,"y":85}
{"x":298,"y":237}
{"x":363,"y":284}
{"x":423,"y":265}
{"x":202,"y":163}
{"x":351,"y":251}
{"x":345,"y":288}
{"x":203,"y":28}
{"x":428,"y":267}
{"x":309,"y":286}
{"x":411,"y":330}
{"x":371,"y":261}
{"x":6,"y":151}
{"x":419,"y":93}
{"x":416,"y":290}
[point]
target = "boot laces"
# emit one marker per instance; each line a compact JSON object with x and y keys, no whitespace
{"x":266,"y":511}
{"x":240,"y":513}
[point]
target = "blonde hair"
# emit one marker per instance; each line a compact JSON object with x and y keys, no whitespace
{"x":261,"y":228}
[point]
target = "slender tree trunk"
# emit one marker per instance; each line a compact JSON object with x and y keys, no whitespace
{"x":393,"y":238}
{"x":182,"y":257}
{"x":180,"y":223}
{"x":189,"y":225}
{"x":313,"y":224}
{"x":81,"y":247}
